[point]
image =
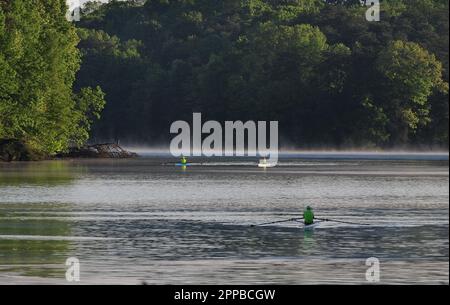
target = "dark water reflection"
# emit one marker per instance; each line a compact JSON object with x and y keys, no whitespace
{"x":38,"y":173}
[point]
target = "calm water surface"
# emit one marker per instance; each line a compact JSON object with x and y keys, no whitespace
{"x":130,"y":221}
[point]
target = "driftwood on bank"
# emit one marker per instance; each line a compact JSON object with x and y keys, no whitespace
{"x":107,"y":150}
{"x":16,"y":150}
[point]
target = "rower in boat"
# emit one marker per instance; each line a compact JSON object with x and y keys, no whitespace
{"x":308,"y":216}
{"x":183,"y":160}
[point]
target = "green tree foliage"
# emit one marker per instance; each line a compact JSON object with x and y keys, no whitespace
{"x":38,"y":64}
{"x":329,"y":76}
{"x":411,"y":74}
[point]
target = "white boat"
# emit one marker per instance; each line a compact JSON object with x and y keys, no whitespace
{"x":264,"y":164}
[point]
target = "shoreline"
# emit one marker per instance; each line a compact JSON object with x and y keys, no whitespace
{"x":12,"y":150}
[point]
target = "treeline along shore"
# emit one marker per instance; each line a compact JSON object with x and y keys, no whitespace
{"x":14,"y":150}
{"x":128,"y":69}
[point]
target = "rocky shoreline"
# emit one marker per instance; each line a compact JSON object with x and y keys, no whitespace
{"x":15,"y":150}
{"x":106,"y":150}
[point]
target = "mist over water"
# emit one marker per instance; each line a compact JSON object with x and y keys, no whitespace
{"x":326,"y":153}
{"x":145,"y":219}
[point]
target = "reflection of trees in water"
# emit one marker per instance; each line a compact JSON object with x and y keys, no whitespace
{"x":34,"y":257}
{"x":29,"y":257}
{"x":38,"y":173}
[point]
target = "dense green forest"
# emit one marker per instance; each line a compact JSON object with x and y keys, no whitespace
{"x":330,"y":77}
{"x":39,"y":59}
{"x":320,"y":68}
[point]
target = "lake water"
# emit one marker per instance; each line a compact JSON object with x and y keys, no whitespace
{"x":146,"y":220}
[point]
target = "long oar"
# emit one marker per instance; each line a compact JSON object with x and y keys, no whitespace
{"x":273,"y":222}
{"x":340,"y":221}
